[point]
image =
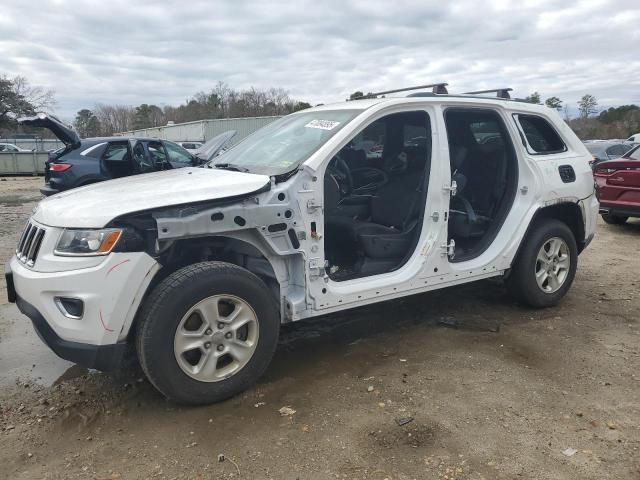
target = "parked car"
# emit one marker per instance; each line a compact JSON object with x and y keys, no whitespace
{"x":618,"y":187}
{"x":85,"y":161}
{"x":607,"y":150}
{"x":12,"y":148}
{"x":190,"y":147}
{"x":634,"y":138}
{"x":199,"y":267}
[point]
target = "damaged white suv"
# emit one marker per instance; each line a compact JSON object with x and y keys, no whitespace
{"x":323,"y":210}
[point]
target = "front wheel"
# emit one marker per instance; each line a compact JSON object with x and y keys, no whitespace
{"x":207,"y":332}
{"x":614,"y":219}
{"x":546,"y":265}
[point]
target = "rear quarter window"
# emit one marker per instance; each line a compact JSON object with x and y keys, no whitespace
{"x":541,"y":137}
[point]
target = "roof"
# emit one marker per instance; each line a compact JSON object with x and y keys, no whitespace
{"x":119,"y":138}
{"x":367,"y":103}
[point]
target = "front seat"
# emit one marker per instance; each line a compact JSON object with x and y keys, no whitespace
{"x":394,"y":216}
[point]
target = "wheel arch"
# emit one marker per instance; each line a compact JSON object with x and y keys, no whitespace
{"x":569,"y":213}
{"x":246,"y":253}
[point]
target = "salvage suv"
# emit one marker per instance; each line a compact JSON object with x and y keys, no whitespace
{"x":198,"y":267}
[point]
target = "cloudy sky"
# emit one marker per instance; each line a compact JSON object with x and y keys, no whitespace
{"x":162,"y":52}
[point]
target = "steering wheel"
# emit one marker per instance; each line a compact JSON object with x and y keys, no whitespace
{"x":340,"y":171}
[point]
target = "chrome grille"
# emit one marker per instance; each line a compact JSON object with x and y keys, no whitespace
{"x":29,"y":244}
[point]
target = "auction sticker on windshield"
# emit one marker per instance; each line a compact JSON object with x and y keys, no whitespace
{"x":322,"y":124}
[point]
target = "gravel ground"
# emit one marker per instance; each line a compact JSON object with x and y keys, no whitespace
{"x":390,"y":391}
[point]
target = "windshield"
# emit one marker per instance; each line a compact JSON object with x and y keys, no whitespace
{"x":282,"y":145}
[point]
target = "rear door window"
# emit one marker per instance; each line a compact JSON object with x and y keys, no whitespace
{"x":117,"y":152}
{"x":541,"y":137}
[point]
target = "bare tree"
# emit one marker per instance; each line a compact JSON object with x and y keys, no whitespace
{"x":114,"y":118}
{"x":39,"y":98}
{"x":587,"y":106}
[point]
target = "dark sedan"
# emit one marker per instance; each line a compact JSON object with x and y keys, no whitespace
{"x":607,"y":150}
{"x":91,"y":160}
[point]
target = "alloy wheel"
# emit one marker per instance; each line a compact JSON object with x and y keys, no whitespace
{"x":552,"y":265}
{"x":216,"y":338}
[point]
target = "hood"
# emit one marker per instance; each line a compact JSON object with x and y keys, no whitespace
{"x":211,"y":148}
{"x":59,"y":129}
{"x":94,"y":206}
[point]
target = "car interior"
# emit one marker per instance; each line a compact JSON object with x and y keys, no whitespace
{"x":484,"y":167}
{"x":375,"y":189}
{"x":117,"y":160}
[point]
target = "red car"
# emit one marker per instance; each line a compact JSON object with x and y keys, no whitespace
{"x":618,"y":187}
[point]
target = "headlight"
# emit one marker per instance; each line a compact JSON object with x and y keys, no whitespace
{"x":87,"y":242}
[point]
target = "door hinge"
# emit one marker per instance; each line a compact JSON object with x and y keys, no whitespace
{"x":453,"y":188}
{"x":312,"y":206}
{"x":449,"y":249}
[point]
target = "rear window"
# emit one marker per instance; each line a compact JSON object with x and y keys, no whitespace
{"x":618,"y":150}
{"x":633,"y":154}
{"x":542,"y":138}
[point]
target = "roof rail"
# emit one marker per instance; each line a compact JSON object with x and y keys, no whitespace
{"x":439,"y":88}
{"x":500,"y":92}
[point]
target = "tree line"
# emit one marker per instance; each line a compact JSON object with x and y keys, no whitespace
{"x":18,"y":97}
{"x":221,"y":101}
{"x":592,"y":123}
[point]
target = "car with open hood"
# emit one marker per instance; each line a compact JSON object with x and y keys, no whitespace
{"x":85,"y":161}
{"x":198,"y":268}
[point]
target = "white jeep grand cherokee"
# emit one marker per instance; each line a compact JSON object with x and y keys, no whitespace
{"x":198,"y":267}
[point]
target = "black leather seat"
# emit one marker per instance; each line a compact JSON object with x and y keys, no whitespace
{"x":389,"y":231}
{"x":474,"y":176}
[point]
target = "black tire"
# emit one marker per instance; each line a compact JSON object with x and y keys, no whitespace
{"x":171,"y":300}
{"x":522,"y":283}
{"x":614,"y":219}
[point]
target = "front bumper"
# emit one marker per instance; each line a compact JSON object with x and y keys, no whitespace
{"x":110,"y":291}
{"x":100,"y":357}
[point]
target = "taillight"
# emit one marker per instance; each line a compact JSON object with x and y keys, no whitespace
{"x":604,"y":170}
{"x":59,"y":167}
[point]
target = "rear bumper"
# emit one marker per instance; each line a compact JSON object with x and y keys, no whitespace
{"x":46,"y":190}
{"x":619,"y":210}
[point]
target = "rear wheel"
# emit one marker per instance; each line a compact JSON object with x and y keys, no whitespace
{"x":614,"y":219}
{"x":207,"y":332}
{"x":546,"y":265}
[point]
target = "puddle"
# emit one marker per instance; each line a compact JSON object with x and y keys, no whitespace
{"x":23,"y":356}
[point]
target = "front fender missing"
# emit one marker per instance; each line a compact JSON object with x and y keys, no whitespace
{"x":276,"y":221}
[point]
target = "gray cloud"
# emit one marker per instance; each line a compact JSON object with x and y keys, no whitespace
{"x":163,"y":52}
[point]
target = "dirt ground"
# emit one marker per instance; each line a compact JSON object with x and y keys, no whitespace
{"x":458,"y":384}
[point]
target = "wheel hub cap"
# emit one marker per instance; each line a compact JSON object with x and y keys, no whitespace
{"x":216,"y":338}
{"x":552,"y":265}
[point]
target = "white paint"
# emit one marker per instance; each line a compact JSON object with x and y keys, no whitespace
{"x":305,"y":286}
{"x":95,"y":205}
